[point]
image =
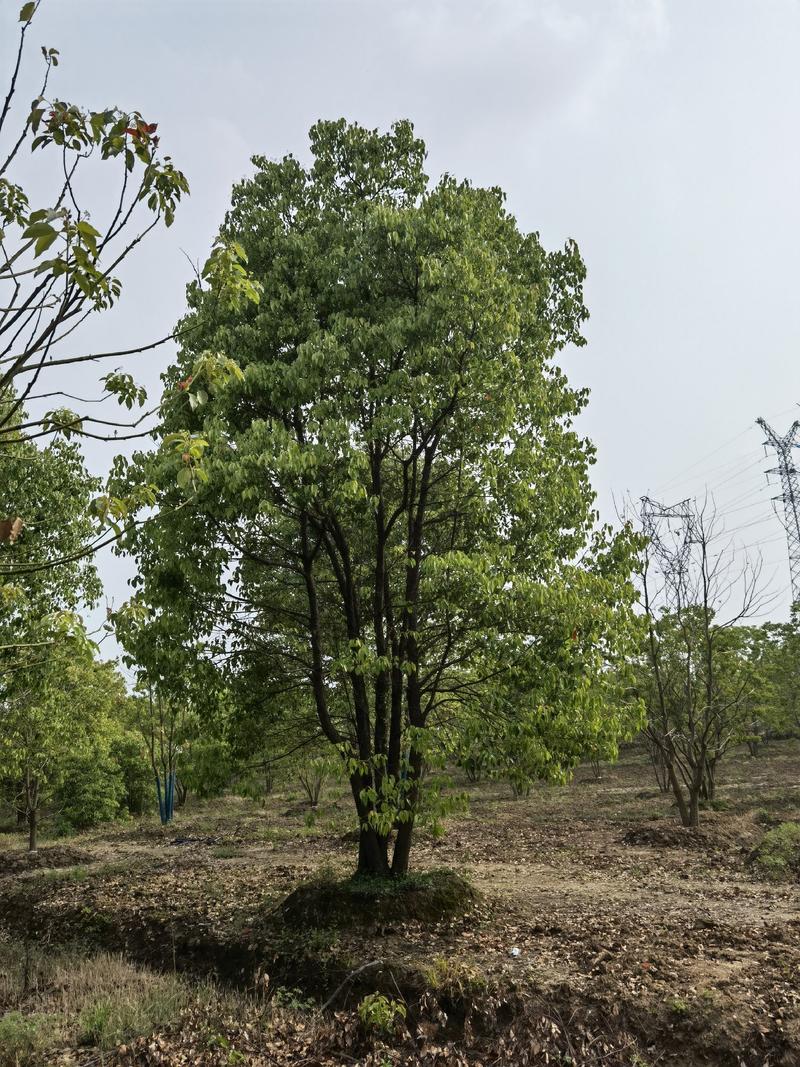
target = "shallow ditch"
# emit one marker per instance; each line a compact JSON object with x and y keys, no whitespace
{"x":608,"y":1026}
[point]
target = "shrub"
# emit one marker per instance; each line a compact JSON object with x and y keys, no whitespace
{"x":778,"y":855}
{"x":207,"y":767}
{"x":92,"y":791}
{"x":313,"y":775}
{"x":137,"y":776}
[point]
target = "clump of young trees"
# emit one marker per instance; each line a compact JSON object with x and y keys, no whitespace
{"x":67,"y":744}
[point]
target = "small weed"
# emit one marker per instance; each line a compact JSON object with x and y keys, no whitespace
{"x":218,"y":1042}
{"x":678,"y":1006}
{"x":380,"y":1014}
{"x":226,"y":852}
{"x":291,"y":999}
{"x":446,"y":974}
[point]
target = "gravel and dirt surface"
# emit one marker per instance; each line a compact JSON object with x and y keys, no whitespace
{"x":602,"y":932}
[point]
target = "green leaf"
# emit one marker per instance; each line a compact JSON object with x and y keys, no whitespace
{"x":38,"y":229}
{"x":87,"y":230}
{"x":44,"y":242}
{"x":27,"y":11}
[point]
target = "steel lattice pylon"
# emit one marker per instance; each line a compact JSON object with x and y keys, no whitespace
{"x":672,"y":546}
{"x":790,"y":494}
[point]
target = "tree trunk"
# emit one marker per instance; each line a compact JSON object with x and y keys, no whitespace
{"x":373,"y":854}
{"x":373,"y":849}
{"x":31,"y":809}
{"x":402,"y":849}
{"x":405,"y":830}
{"x":32,"y":829}
{"x":711,"y":780}
{"x":680,"y":800}
{"x":659,"y":765}
{"x":268,"y":778}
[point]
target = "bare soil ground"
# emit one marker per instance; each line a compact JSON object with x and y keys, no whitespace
{"x":603,"y":932}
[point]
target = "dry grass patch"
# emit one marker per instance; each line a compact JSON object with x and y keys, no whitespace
{"x":64,"y":999}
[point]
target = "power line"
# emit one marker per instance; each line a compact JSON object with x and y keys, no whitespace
{"x":714,"y":452}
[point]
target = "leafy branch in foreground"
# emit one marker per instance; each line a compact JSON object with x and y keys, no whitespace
{"x":60,"y":260}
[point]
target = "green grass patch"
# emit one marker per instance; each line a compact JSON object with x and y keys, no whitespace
{"x":24,"y":1038}
{"x":111,"y":1019}
{"x":226,"y":852}
{"x":78,"y":873}
{"x":67,"y":998}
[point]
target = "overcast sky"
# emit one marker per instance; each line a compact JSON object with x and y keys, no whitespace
{"x":662,"y":136}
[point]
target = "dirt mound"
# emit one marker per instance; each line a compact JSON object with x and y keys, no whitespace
{"x":52,"y":857}
{"x":428,"y":898}
{"x":668,"y":835}
{"x":712,"y":835}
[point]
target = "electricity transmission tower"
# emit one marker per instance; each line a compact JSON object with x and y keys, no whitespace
{"x":790,"y":494}
{"x":670,"y":530}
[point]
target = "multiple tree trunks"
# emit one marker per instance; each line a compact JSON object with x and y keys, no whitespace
{"x":392,"y":533}
{"x":699,"y":665}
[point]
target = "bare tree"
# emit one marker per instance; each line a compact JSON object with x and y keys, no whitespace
{"x":697,"y":594}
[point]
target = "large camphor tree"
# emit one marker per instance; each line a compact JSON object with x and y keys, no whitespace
{"x":385,"y":520}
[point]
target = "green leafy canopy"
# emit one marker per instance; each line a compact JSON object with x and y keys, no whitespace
{"x":388,"y":509}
